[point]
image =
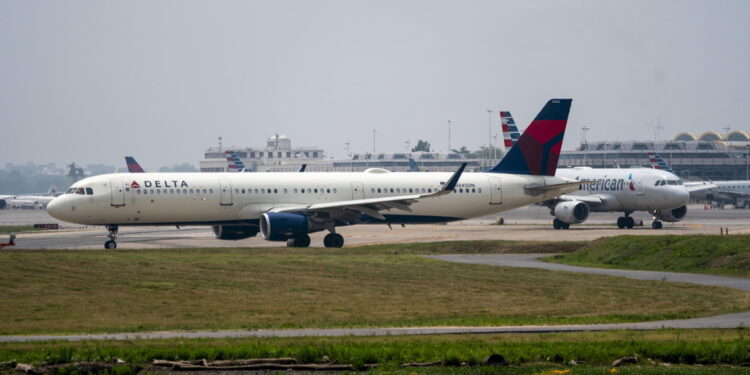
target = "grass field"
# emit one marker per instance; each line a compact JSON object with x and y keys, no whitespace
{"x":385,"y":285}
{"x":532,"y":352}
{"x":6,"y":229}
{"x":722,"y":255}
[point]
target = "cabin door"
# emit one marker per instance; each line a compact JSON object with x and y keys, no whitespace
{"x":226,"y":192}
{"x":496,"y":191}
{"x":118,"y":192}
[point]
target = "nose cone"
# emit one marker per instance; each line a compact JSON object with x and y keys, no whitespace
{"x":55,"y":208}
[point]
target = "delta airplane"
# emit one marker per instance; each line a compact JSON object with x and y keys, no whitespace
{"x":657,"y":191}
{"x":290,"y":206}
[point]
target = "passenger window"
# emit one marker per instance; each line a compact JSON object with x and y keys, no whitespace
{"x":127,"y":189}
{"x":204,"y":191}
{"x":184,"y":191}
{"x":165,"y":191}
{"x":145,"y":191}
{"x":328,"y":191}
{"x":152,"y":191}
{"x":256,"y":191}
{"x":285,"y":191}
{"x":236,"y":191}
{"x":262,"y":191}
{"x":171,"y":191}
{"x":334,"y":190}
{"x":378,"y":190}
{"x":138,"y":192}
{"x":191,"y":191}
{"x":391,"y":190}
{"x":243,"y":191}
{"x":479,"y":190}
{"x":90,"y":191}
{"x":158,"y":191}
{"x":473,"y":190}
{"x":295,"y":190}
{"x":177,"y":191}
{"x":275,"y":191}
{"x":302,"y":190}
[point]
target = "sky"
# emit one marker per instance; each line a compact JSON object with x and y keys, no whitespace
{"x":93,"y":81}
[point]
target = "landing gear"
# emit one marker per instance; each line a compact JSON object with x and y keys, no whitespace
{"x":625,"y":221}
{"x":559,"y":224}
{"x":656,"y":224}
{"x":333,"y":240}
{"x":111,"y":244}
{"x":302,"y":241}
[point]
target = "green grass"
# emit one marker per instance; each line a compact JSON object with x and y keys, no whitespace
{"x":6,"y":229}
{"x":722,"y":255}
{"x":530,"y":351}
{"x":385,"y":285}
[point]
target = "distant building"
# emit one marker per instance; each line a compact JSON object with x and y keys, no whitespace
{"x":280,"y":156}
{"x":278,"y":152}
{"x":710,"y":156}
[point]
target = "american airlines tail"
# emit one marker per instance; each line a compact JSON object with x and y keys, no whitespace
{"x":510,"y":130}
{"x":538,"y":149}
{"x":657,"y":162}
{"x":235,"y":164}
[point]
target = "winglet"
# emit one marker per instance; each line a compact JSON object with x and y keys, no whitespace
{"x":451,"y":184}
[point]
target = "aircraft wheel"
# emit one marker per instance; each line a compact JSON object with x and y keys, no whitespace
{"x":656,"y":224}
{"x":621,"y":222}
{"x":557,"y":224}
{"x":303,"y":241}
{"x":333,"y":240}
{"x":629,"y":222}
{"x":565,"y":226}
{"x":110,"y":244}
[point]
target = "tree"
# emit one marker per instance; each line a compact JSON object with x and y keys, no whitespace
{"x":421,"y":146}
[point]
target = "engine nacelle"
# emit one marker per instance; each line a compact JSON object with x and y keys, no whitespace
{"x":673,"y":215}
{"x":281,"y":226}
{"x":571,"y":212}
{"x":234,"y":232}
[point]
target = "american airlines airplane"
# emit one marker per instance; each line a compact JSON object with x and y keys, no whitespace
{"x":736,"y":192}
{"x":626,"y":190}
{"x":290,"y":206}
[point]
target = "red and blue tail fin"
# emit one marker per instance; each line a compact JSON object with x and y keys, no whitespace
{"x":538,"y":149}
{"x":510,"y":130}
{"x":234,"y":164}
{"x":657,"y":162}
{"x":133,"y":166}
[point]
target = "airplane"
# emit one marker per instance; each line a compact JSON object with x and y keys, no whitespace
{"x":657,"y":191}
{"x":735,"y":192}
{"x":133,"y":166}
{"x":413,"y":165}
{"x":290,"y":206}
{"x":31,"y":201}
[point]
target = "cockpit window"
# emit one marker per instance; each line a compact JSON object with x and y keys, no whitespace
{"x":70,"y":191}
{"x":80,"y":191}
{"x":672,"y":182}
{"x":89,"y":191}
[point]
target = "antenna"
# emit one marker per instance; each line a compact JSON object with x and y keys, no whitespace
{"x":657,"y":128}
{"x":449,"y":135}
{"x":373,"y":139}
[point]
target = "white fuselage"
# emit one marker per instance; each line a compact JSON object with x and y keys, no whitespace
{"x":213,"y":198}
{"x":629,"y":189}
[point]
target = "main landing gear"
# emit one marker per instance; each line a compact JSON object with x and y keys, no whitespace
{"x":333,"y":239}
{"x":559,"y":224}
{"x":656,"y":224}
{"x":301,"y":241}
{"x":625,"y":221}
{"x":111,"y":244}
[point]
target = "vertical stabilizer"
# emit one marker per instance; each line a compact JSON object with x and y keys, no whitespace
{"x":538,"y":149}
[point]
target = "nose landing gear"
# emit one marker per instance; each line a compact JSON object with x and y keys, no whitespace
{"x":111,"y":244}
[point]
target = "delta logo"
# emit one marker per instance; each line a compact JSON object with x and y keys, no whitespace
{"x":135,"y":185}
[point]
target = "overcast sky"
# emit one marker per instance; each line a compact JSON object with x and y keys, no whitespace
{"x":92,"y":81}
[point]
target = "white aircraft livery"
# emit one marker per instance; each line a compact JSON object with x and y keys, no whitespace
{"x":657,"y":191}
{"x":289,"y":206}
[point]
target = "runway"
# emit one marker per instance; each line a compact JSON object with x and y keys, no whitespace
{"x":506,"y":260}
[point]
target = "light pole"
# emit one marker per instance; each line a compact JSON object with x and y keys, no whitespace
{"x":373,"y":140}
{"x":449,"y":136}
{"x":489,"y":131}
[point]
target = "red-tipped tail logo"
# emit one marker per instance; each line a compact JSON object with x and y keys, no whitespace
{"x":135,"y":185}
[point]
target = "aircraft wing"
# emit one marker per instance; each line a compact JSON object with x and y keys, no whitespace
{"x":371,"y":206}
{"x":699,"y":186}
{"x":590,"y":199}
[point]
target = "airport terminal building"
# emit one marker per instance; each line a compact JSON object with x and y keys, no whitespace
{"x":710,"y":156}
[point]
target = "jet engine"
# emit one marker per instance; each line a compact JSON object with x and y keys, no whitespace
{"x":571,"y":212}
{"x":671,"y":216}
{"x":281,"y":226}
{"x":3,"y":204}
{"x":234,"y":232}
